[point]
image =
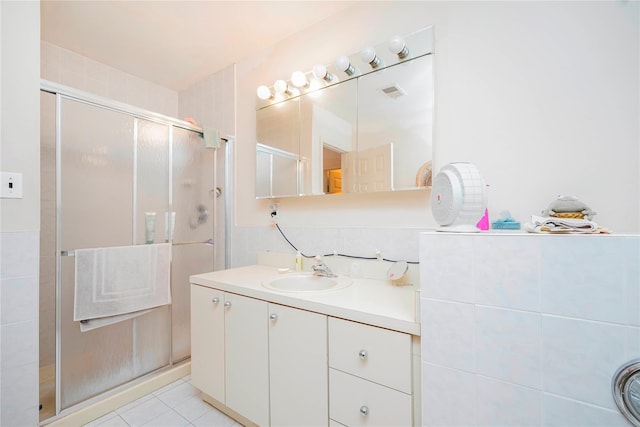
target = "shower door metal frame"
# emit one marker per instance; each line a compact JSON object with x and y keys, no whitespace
{"x":64,"y":92}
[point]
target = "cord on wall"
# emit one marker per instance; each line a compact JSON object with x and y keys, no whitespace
{"x":334,"y":253}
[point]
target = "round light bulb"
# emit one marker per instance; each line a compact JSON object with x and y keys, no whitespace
{"x":263,"y":92}
{"x":398,"y":46}
{"x":280,"y":86}
{"x":298,"y":79}
{"x":320,"y":72}
{"x":343,"y":64}
{"x":368,"y":54}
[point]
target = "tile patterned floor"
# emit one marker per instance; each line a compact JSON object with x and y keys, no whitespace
{"x":175,"y":405}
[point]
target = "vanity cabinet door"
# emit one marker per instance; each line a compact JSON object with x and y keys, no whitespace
{"x":207,"y":341}
{"x":247,"y":357}
{"x":298,"y":367}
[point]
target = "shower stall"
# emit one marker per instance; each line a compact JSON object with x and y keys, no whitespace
{"x":105,"y":167}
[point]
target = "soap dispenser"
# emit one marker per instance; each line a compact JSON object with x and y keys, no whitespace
{"x":298,"y":261}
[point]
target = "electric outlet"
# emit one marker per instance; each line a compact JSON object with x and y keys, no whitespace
{"x":11,"y":185}
{"x":273,"y":209}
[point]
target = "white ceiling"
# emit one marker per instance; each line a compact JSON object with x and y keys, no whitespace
{"x":176,"y":43}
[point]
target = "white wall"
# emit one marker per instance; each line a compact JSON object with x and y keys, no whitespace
{"x":19,"y":218}
{"x":526,"y":330}
{"x":542,"y":96}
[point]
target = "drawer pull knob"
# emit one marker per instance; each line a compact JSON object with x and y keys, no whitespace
{"x":363,"y":354}
{"x":273,"y":316}
{"x":215,"y":300}
{"x":364,"y":410}
{"x":227,"y":304}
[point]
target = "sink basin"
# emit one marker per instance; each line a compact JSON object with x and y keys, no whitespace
{"x":301,"y":282}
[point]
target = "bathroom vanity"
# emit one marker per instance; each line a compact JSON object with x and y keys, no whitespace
{"x":349,"y":356}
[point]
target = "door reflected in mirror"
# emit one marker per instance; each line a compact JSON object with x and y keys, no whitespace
{"x":328,"y":130}
{"x":395,"y":110}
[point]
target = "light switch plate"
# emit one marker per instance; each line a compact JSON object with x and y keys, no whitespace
{"x":11,"y":185}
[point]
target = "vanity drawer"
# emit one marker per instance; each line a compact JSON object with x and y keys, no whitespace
{"x":357,"y":402}
{"x":373,"y":353}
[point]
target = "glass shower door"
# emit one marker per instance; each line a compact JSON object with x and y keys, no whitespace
{"x":113,"y":169}
{"x":193,"y":251}
{"x":96,"y":201}
{"x":104,"y":169}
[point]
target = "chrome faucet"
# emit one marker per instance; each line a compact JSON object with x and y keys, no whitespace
{"x":321,"y":269}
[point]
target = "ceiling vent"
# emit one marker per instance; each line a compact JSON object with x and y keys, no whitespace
{"x":394,"y":91}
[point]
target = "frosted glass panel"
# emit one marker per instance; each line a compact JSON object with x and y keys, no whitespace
{"x":193,"y":189}
{"x":152,"y":162}
{"x":152,"y":340}
{"x":97,"y":177}
{"x":90,"y":362}
{"x":187,"y":260}
{"x":193,"y":200}
{"x":97,"y":199}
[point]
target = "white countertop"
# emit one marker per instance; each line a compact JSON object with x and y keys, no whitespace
{"x":375,"y":302}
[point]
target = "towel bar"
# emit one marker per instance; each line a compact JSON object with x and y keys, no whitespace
{"x":206,"y":242}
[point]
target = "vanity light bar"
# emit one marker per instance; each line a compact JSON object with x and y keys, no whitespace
{"x":368,"y":60}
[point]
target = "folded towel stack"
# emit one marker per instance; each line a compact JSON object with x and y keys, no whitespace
{"x":540,"y":224}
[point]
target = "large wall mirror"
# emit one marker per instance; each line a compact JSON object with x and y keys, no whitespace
{"x":366,"y":129}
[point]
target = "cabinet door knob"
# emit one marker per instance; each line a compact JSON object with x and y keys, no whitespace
{"x":273,"y":316}
{"x":227,"y":304}
{"x":216,"y":300}
{"x":363,"y":354}
{"x":364,"y":410}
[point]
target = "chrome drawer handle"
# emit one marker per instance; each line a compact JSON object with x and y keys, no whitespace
{"x":363,"y":354}
{"x":364,"y":410}
{"x":215,"y":300}
{"x":273,"y":317}
{"x":227,"y":304}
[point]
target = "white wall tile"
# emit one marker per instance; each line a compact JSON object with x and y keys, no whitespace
{"x":21,"y":344}
{"x":561,"y":353}
{"x":19,"y":328}
{"x":18,"y":254}
{"x":631,"y":247}
{"x":633,"y":342}
{"x":447,"y":267}
{"x":19,"y":394}
{"x":503,"y":404}
{"x":584,"y":277}
{"x":560,"y":412}
{"x":447,"y":334}
{"x":19,"y":300}
{"x":71,"y":69}
{"x":448,"y":397}
{"x":580,"y":358}
{"x":508,"y":345}
{"x":506,"y":272}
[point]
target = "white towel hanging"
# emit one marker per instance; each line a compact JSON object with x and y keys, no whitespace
{"x":119,"y":280}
